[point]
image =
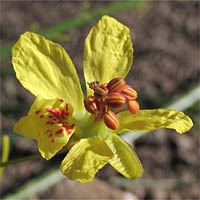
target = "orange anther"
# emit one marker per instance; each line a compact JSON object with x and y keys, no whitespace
{"x":100,"y":91}
{"x":129,"y":93}
{"x":111,"y":120}
{"x":90,"y":105}
{"x":133,"y":106}
{"x":116,"y":85}
{"x":115,"y":100}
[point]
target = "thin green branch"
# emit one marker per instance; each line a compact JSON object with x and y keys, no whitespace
{"x":149,"y":183}
{"x":39,"y":184}
{"x":78,"y":21}
{"x":5,"y":152}
{"x":27,"y":158}
{"x":20,"y":160}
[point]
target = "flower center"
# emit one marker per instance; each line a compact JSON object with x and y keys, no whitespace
{"x":109,"y":99}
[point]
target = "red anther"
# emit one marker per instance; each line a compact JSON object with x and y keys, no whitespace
{"x":116,"y":85}
{"x":111,"y":120}
{"x":115,"y":100}
{"x":90,"y":105}
{"x":133,"y":106}
{"x":93,"y":84}
{"x":100,"y":91}
{"x":129,"y":93}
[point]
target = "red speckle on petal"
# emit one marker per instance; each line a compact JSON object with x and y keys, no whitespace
{"x":72,"y":126}
{"x":66,"y":114}
{"x":37,"y":112}
{"x":59,"y":131}
{"x":50,"y":135}
{"x":50,"y":110}
{"x":69,"y":132}
{"x":50,"y":123}
{"x":52,"y":140}
{"x":41,"y":116}
{"x":66,"y":106}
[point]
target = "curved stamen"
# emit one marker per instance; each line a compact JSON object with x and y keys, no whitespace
{"x":115,"y":95}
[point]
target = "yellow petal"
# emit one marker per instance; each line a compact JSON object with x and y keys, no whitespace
{"x":125,"y":160}
{"x":85,"y":158}
{"x":108,"y":52}
{"x":148,"y":120}
{"x":49,"y":123}
{"x":45,"y":69}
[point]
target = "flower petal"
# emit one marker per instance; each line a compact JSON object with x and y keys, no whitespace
{"x":125,"y":159}
{"x":85,"y":158}
{"x":148,"y":120}
{"x":45,"y":69}
{"x":108,"y":51}
{"x":49,"y":123}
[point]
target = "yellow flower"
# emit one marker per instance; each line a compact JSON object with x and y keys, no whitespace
{"x":60,"y":116}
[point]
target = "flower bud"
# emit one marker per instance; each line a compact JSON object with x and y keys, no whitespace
{"x":111,"y":120}
{"x":100,"y":91}
{"x":116,"y":85}
{"x":133,"y":106}
{"x":90,"y":105}
{"x":115,"y":100}
{"x":129,"y":93}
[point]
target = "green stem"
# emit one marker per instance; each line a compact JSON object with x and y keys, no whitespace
{"x":79,"y":21}
{"x":27,"y":158}
{"x":5,"y":152}
{"x":20,"y":160}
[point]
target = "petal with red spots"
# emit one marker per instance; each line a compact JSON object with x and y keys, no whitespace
{"x":49,"y":122}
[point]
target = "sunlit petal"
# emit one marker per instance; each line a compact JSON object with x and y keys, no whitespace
{"x":108,"y":51}
{"x":148,"y":120}
{"x":125,"y":160}
{"x":49,"y":123}
{"x":85,"y":158}
{"x":45,"y":69}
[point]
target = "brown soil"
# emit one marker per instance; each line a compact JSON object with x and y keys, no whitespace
{"x":166,"y":65}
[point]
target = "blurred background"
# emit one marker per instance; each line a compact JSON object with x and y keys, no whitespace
{"x":165,"y":36}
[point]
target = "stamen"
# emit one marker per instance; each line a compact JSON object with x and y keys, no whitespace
{"x":115,"y":100}
{"x":133,"y":106}
{"x":129,"y":93}
{"x":116,"y":85}
{"x":91,"y":105}
{"x":111,"y":120}
{"x":115,"y":95}
{"x":100,"y":91}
